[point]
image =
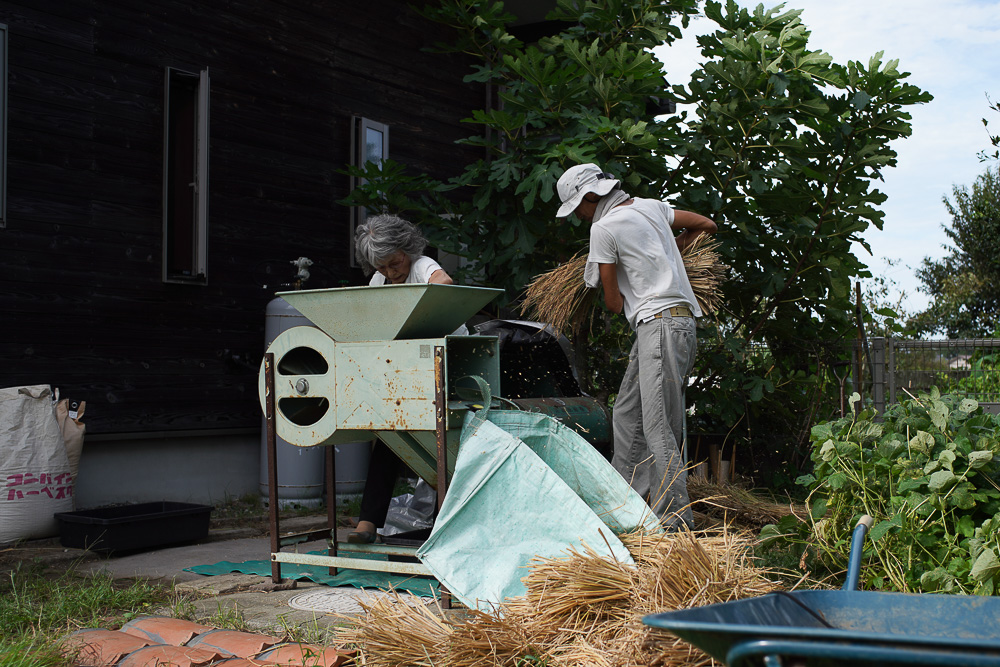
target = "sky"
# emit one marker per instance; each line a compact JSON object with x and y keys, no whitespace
{"x":952,"y":50}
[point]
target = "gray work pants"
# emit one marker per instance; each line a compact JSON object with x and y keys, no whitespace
{"x":648,"y":414}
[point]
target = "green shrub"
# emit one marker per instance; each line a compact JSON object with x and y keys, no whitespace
{"x":927,"y":472}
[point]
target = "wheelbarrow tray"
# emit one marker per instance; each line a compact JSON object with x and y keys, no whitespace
{"x":844,"y":627}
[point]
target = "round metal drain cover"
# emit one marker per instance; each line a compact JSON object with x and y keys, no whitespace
{"x":345,"y":600}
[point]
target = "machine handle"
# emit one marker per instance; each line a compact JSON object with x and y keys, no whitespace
{"x":857,"y":547}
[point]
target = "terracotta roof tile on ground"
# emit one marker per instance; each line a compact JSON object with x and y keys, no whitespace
{"x":234,"y":644}
{"x":186,"y":644}
{"x":175,"y":656}
{"x":304,"y":655}
{"x":164,"y":630}
{"x":101,"y":648}
{"x":243,"y":662}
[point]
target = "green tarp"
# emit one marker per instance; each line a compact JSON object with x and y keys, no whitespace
{"x":525,"y":486}
{"x":422,"y":586}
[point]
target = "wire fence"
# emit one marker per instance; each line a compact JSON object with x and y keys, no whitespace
{"x":896,"y":368}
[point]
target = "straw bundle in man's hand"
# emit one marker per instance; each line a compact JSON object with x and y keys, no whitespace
{"x":560,"y":297}
{"x":705,"y":271}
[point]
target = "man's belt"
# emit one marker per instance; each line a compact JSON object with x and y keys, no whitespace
{"x":675,"y":311}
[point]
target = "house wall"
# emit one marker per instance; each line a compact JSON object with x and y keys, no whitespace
{"x":84,"y":306}
{"x":209,"y":468}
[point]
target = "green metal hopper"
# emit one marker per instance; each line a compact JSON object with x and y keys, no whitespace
{"x":368,"y":367}
{"x":390,"y":312}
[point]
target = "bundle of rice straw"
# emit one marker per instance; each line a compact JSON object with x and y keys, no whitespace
{"x":560,"y":298}
{"x":579,"y":610}
{"x":733,"y":505}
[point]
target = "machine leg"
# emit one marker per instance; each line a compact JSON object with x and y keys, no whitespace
{"x":331,"y":501}
{"x":272,"y":464}
{"x":440,"y":428}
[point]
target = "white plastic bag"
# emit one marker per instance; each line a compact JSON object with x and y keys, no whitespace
{"x":35,"y":477}
{"x":411,"y":511}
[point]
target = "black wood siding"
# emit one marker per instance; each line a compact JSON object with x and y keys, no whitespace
{"x":82,"y":303}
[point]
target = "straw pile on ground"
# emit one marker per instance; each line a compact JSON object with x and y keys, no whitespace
{"x":560,"y":297}
{"x":579,"y":610}
{"x":729,"y":504}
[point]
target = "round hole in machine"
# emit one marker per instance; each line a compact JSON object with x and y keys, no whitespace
{"x":303,"y":361}
{"x":303,"y":411}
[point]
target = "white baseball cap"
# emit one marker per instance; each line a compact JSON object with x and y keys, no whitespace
{"x":578,"y":181}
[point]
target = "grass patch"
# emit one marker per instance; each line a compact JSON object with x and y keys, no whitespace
{"x":36,"y":599}
{"x":35,"y":651}
{"x":38,"y":605}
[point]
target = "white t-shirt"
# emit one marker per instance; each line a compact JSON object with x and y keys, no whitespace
{"x":421,"y":270}
{"x":651,"y":275}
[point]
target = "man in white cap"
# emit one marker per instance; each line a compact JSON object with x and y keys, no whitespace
{"x":636,"y":256}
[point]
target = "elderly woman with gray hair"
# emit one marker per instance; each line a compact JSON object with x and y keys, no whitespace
{"x":391,"y":250}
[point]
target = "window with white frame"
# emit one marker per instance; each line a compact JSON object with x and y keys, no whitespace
{"x":370,"y":143}
{"x":185,"y":176}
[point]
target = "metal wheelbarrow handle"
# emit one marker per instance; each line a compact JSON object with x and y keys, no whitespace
{"x":857,"y":547}
{"x":789,"y":652}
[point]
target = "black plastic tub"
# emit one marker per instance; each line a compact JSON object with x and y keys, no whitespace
{"x":133,"y":527}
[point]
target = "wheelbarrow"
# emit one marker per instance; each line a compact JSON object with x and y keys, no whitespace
{"x":843,"y":627}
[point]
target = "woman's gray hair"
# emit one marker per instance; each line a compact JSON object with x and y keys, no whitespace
{"x":381,"y":236}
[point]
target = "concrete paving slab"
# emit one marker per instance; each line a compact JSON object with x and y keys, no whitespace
{"x":168,"y":564}
{"x":265,"y":611}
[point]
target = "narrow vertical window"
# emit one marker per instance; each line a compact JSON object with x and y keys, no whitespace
{"x":370,"y":144}
{"x":185,"y":176}
{"x":3,"y":125}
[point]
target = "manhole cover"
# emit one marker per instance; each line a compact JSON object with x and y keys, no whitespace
{"x":345,"y":600}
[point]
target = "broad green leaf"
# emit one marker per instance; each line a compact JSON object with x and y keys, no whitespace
{"x":805,"y":480}
{"x":939,"y":415}
{"x":869,"y":431}
{"x":968,"y":405}
{"x":828,"y":451}
{"x":888,"y":449}
{"x":821,"y":432}
{"x":941,"y":481}
{"x":979,"y":459}
{"x":986,"y":567}
{"x":837,"y":480}
{"x":818,"y":509}
{"x":880,"y":529}
{"x":922,"y":442}
{"x":961,"y":497}
{"x":914,"y":499}
{"x":769,"y":534}
{"x":947,"y":458}
{"x":937,"y":580}
{"x":911,"y":484}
